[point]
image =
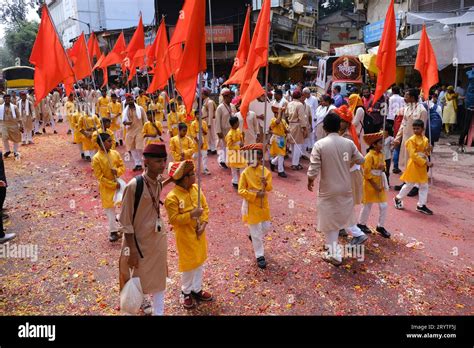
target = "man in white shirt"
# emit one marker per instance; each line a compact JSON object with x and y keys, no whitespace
{"x":313,"y":104}
{"x":395,"y":104}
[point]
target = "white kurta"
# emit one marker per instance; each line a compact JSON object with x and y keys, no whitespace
{"x":331,"y":160}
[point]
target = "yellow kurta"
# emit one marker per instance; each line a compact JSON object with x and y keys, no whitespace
{"x":278,"y":139}
{"x":88,"y":124}
{"x":78,"y":137}
{"x":192,"y":252}
{"x":193,"y":132}
{"x":115,"y":110}
{"x":143,"y":102}
{"x":149,"y":129}
{"x":173,"y":121}
{"x":372,"y":162}
{"x":109,"y":132}
{"x":181,"y":145}
{"x":69,"y":106}
{"x":250,"y":183}
{"x":103,"y":173}
{"x":416,"y":171}
{"x":234,"y":140}
{"x":103,"y":107}
{"x":157,"y":109}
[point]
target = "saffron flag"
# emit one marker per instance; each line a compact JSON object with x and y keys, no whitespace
{"x":93,"y":47}
{"x":426,"y":64}
{"x":79,"y":59}
{"x":242,"y":54}
{"x":136,"y":45}
{"x":117,"y":55}
{"x":387,"y":55}
{"x":193,"y":60}
{"x":162,"y":69}
{"x":49,"y":58}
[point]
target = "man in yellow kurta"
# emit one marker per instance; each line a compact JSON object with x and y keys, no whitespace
{"x":102,"y":106}
{"x":193,"y":132}
{"x":143,"y":100}
{"x":115,"y":112}
{"x":278,"y":129}
{"x":418,"y":149}
{"x":107,"y":177}
{"x":255,"y":208}
{"x":78,"y":137}
{"x":182,"y":146}
{"x":189,"y":223}
{"x":87,"y":125}
{"x":152,"y":130}
{"x":173,"y":120}
{"x":235,"y":160}
{"x":375,"y":184}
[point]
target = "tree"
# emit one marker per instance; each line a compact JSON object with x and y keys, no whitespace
{"x":15,"y":11}
{"x":330,"y":6}
{"x":19,"y":40}
{"x":6,"y":58}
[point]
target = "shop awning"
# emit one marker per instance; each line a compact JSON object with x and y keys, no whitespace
{"x":295,"y":48}
{"x":287,"y":61}
{"x":418,"y":18}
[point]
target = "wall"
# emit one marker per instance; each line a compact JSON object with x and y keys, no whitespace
{"x":376,"y":9}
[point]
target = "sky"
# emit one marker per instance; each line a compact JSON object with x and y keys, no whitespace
{"x":32,"y":15}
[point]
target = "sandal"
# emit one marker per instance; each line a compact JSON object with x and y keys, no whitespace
{"x":299,"y":167}
{"x":294,"y":167}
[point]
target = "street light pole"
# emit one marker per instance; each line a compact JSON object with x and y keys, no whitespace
{"x":212,"y":41}
{"x":78,"y":20}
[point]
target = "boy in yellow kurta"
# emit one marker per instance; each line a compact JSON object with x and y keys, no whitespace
{"x":106,"y":123}
{"x":143,"y":100}
{"x":375,"y":184}
{"x":173,"y":120}
{"x":278,"y":129}
{"x":182,"y":146}
{"x":102,"y":106}
{"x":88,"y":124}
{"x":107,"y":176}
{"x":236,"y":160}
{"x":70,"y":110}
{"x":78,"y":137}
{"x":193,"y":131}
{"x":115,"y":112}
{"x":255,"y":207}
{"x":157,"y":108}
{"x":189,"y":223}
{"x":152,"y":130}
{"x":416,"y":173}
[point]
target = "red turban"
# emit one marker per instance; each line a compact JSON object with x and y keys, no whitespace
{"x":346,"y":115}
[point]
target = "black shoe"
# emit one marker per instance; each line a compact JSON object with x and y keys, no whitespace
{"x":6,"y":154}
{"x":282,"y":175}
{"x":60,"y":121}
{"x":223,"y":165}
{"x":383,"y":232}
{"x":250,"y":237}
{"x":396,"y":171}
{"x":121,"y":142}
{"x":209,"y":152}
{"x":272,"y":166}
{"x":55,"y":132}
{"x":88,"y":159}
{"x":69,"y":132}
{"x":342,"y":233}
{"x":261,"y":263}
{"x":37,"y":133}
{"x":83,"y":156}
{"x":116,"y":144}
{"x":44,"y":130}
{"x":398,"y":187}
{"x":113,"y":237}
{"x":398,"y":203}
{"x":424,"y":209}
{"x":214,"y":152}
{"x":413,"y":192}
{"x":364,"y":229}
{"x":236,"y":186}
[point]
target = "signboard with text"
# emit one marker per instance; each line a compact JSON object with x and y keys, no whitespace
{"x":347,"y":69}
{"x":221,"y":33}
{"x":373,"y":32}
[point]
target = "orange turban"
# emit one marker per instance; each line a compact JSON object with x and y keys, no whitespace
{"x":346,"y":115}
{"x":354,"y":101}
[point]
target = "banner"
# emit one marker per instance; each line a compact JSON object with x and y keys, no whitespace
{"x":321,"y":78}
{"x":222,"y":33}
{"x":347,"y":69}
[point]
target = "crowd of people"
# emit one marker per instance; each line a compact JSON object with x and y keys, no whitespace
{"x":351,"y":144}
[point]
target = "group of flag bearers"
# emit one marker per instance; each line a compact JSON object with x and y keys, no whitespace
{"x":139,"y":125}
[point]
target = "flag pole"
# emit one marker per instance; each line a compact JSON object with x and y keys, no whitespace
{"x":90,"y":64}
{"x":264,"y":140}
{"x":199,"y":146}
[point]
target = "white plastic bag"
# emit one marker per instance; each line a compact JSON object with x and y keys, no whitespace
{"x":119,"y":192}
{"x":131,"y":296}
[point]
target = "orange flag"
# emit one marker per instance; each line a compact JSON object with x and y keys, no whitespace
{"x":242,"y":53}
{"x":193,"y":60}
{"x":162,"y":70}
{"x":426,"y":64}
{"x":136,"y":45}
{"x":257,"y":58}
{"x":387,"y":54}
{"x":117,"y":55}
{"x":93,"y":47}
{"x":104,"y":70}
{"x":49,"y":58}
{"x":79,"y":58}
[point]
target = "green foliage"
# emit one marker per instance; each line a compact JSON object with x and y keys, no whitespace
{"x":6,"y":58}
{"x":19,"y":40}
{"x":14,"y":12}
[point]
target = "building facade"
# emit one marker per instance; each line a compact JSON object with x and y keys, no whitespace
{"x":99,"y":14}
